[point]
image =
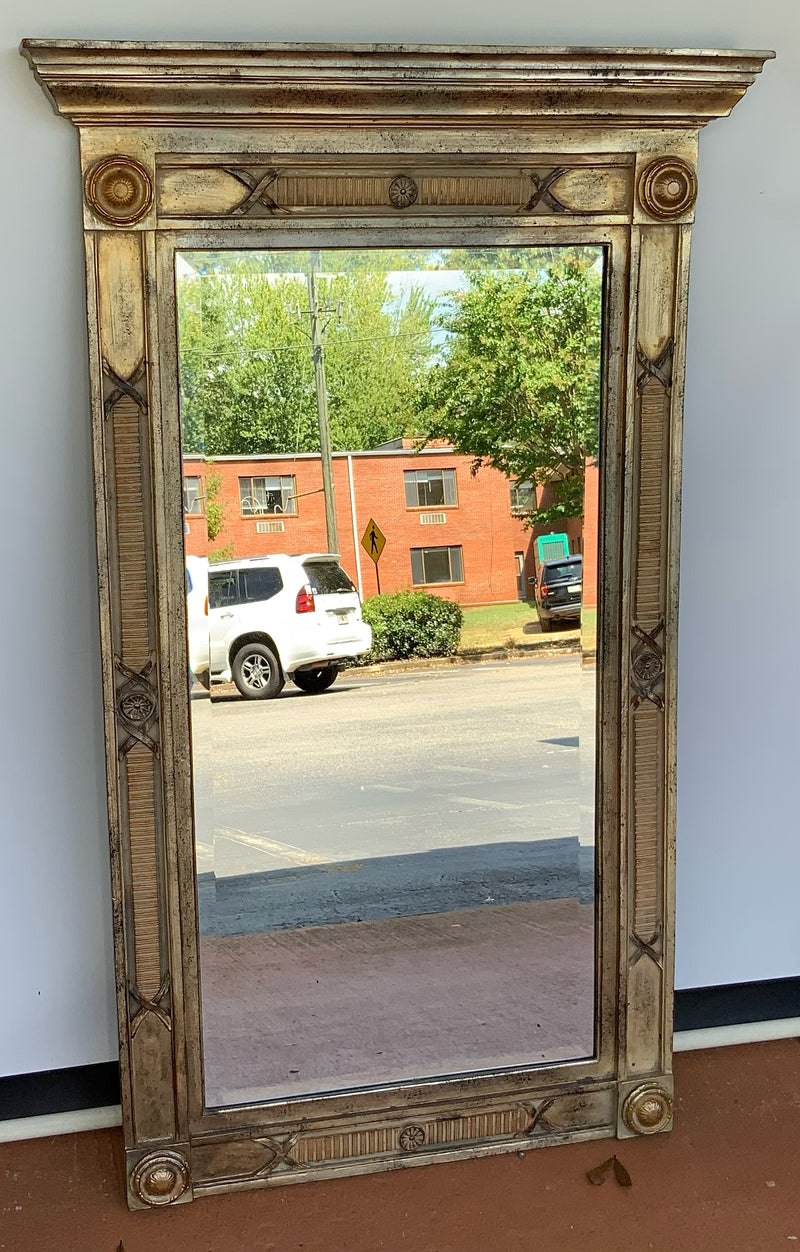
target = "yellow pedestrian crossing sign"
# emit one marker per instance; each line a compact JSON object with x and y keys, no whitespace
{"x":373,"y":541}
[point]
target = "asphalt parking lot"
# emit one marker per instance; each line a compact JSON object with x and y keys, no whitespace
{"x":394,"y":766}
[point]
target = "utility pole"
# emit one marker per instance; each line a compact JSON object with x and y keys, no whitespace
{"x":318,"y":359}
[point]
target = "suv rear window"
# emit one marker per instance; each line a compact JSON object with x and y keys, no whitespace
{"x":569,"y":570}
{"x":259,"y":584}
{"x":327,"y":578}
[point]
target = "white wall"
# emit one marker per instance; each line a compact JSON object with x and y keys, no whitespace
{"x":739,"y":852}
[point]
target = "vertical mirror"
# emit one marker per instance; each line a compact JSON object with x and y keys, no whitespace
{"x":390,"y":504}
{"x":415,"y":894}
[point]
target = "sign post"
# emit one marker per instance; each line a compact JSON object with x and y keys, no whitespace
{"x":373,"y":541}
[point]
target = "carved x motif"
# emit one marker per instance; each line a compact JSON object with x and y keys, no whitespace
{"x":257,"y":191}
{"x":542,"y":191}
{"x":647,"y":666}
{"x":540,"y":1121}
{"x":281,"y":1150}
{"x":137,"y":706}
{"x":660,"y":368}
{"x":538,"y":1118}
{"x":151,"y":1006}
{"x":649,"y":947}
{"x":117,"y":387}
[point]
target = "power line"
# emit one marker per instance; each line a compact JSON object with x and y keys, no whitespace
{"x":299,"y":347}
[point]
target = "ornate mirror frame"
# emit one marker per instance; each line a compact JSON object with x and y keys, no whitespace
{"x":203,"y":146}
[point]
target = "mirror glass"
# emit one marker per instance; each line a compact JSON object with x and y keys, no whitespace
{"x":390,"y":493}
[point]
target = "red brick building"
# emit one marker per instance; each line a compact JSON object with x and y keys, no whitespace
{"x":447,"y":530}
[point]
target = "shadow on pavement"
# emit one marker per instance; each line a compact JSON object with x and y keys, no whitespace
{"x":384,"y":887}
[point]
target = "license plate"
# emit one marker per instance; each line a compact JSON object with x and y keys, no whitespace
{"x":342,"y":618}
{"x":573,"y":587}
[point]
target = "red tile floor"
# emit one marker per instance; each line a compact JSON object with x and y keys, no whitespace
{"x":725,"y":1180}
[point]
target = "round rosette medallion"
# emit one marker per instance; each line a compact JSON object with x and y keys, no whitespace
{"x":668,"y":188}
{"x":647,"y":1109}
{"x":160,"y":1178}
{"x":119,"y":190}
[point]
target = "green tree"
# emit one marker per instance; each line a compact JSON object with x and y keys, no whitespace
{"x":215,"y":507}
{"x":518,"y":385}
{"x":520,"y":257}
{"x":247,"y":383}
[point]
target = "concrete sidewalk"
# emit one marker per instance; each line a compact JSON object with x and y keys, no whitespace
{"x":330,"y":1007}
{"x":564,"y":644}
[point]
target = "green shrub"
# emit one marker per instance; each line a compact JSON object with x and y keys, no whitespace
{"x":412,"y":623}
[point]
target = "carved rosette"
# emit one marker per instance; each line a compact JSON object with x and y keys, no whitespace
{"x":411,"y":1138}
{"x":403,"y":191}
{"x":137,"y":707}
{"x":648,"y":1109}
{"x":160,"y":1178}
{"x":667,"y":188}
{"x":119,"y":190}
{"x":647,"y":666}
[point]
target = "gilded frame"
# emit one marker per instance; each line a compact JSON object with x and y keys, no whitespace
{"x":265,"y":146}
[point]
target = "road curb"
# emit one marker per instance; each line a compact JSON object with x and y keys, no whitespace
{"x":472,"y":656}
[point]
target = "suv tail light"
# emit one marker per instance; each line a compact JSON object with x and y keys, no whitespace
{"x":545,"y":590}
{"x":305,"y":600}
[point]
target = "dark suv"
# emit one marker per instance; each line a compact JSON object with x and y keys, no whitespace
{"x":558,"y":590}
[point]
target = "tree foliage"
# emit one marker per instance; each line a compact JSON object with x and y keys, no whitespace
{"x":215,"y":507}
{"x":247,"y":382}
{"x":518,"y":385}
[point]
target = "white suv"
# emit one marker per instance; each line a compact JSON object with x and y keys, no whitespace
{"x":274,"y":617}
{"x":197,"y":618}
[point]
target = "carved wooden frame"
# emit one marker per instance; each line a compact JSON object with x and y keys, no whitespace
{"x":268,"y":146}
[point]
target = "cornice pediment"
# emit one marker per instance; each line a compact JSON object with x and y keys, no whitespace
{"x":165,"y":84}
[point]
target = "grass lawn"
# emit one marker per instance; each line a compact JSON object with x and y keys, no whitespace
{"x":494,"y":625}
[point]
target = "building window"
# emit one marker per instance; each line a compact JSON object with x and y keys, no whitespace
{"x":436,"y":565}
{"x":427,"y":487}
{"x":193,"y":495}
{"x":523,"y":496}
{"x":267,"y":495}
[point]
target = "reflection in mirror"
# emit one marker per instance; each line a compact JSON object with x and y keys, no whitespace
{"x":391,"y":520}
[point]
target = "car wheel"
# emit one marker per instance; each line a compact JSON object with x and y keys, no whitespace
{"x":257,"y":673}
{"x":312,"y":681}
{"x":545,"y":623}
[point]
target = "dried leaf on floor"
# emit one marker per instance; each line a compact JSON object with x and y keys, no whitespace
{"x":621,"y":1174}
{"x":597,"y":1176}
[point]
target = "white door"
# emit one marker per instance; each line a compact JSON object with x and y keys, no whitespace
{"x":223,"y":615}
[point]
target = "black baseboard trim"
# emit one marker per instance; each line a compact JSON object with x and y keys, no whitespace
{"x":96,"y":1086}
{"x":699,"y":1008}
{"x":59,"y":1091}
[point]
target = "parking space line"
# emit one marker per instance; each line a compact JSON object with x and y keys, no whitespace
{"x":289,"y":852}
{"x":461,"y":769}
{"x":483,"y":804}
{"x":386,"y":787}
